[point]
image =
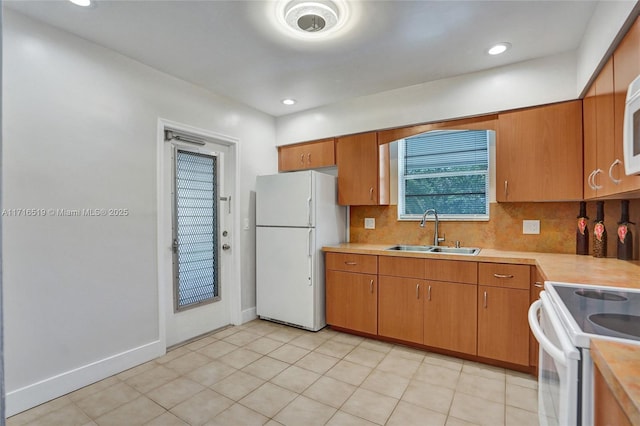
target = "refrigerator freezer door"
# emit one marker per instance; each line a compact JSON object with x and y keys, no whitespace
{"x":285,"y":283}
{"x":285,"y":199}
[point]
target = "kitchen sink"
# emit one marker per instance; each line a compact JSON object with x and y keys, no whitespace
{"x":468,"y":251}
{"x":411,"y":248}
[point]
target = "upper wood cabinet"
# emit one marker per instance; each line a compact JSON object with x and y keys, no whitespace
{"x":539,"y":153}
{"x":626,"y":67}
{"x":598,"y":118}
{"x":310,"y":155}
{"x":363,"y":170}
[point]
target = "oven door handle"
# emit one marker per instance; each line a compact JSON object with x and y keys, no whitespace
{"x":556,"y":353}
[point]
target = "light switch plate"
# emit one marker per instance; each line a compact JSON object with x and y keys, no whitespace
{"x":369,"y":223}
{"x":530,"y":226}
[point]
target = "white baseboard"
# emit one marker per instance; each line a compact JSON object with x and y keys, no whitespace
{"x":249,"y":315}
{"x":29,"y":396}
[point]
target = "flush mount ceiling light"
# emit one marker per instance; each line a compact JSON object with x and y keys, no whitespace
{"x":289,"y":101}
{"x":83,"y":3}
{"x":499,"y":48}
{"x":312,"y":19}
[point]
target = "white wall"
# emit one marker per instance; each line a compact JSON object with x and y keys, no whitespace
{"x":80,"y":127}
{"x":534,"y":82}
{"x":540,"y":81}
{"x":603,"y":28}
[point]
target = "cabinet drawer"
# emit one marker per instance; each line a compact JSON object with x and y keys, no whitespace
{"x":362,"y":263}
{"x":452,"y":271}
{"x":504,"y":275}
{"x":406,"y":267}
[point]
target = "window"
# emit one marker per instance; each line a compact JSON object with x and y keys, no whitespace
{"x":447,"y":171}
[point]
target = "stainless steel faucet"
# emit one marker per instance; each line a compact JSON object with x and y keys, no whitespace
{"x":436,"y":239}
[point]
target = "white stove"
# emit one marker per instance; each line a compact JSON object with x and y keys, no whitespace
{"x":595,"y":311}
{"x":570,"y":316}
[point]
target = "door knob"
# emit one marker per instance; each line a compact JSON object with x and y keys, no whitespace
{"x":226,"y":247}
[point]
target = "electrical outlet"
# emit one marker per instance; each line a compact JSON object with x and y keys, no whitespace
{"x":530,"y":226}
{"x":369,"y":223}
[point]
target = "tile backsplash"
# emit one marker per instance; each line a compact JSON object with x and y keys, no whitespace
{"x":503,"y":231}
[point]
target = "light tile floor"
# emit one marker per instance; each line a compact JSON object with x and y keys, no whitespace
{"x":265,"y":373}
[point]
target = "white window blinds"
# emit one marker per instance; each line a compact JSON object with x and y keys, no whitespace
{"x":445,"y":170}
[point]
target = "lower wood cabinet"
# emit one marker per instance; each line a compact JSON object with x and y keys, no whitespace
{"x":450,"y":311}
{"x":473,"y":308}
{"x":352,"y":301}
{"x":400,"y":305}
{"x":607,"y":409}
{"x":503,"y":330}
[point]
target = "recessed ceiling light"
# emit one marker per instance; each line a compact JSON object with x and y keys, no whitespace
{"x":499,"y":48}
{"x":289,"y":101}
{"x":83,"y":3}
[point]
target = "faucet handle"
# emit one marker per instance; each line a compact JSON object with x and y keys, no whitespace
{"x":441,"y":239}
{"x":457,"y":244}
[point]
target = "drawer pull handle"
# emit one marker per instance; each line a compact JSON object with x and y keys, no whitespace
{"x":429,"y":293}
{"x":371,"y":286}
{"x":417,"y":291}
{"x":350,"y":263}
{"x":485,"y":300}
{"x":503,"y":275}
{"x":539,"y":284}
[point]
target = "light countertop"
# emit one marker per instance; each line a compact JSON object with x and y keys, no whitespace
{"x":554,"y":267}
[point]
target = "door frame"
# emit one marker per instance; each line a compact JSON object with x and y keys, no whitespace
{"x":233,"y":290}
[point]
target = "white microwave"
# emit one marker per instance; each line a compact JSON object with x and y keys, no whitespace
{"x":631,"y":134}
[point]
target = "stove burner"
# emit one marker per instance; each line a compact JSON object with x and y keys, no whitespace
{"x":624,"y":324}
{"x":601,"y":295}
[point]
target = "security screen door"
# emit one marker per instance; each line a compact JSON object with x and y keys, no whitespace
{"x":195,"y":229}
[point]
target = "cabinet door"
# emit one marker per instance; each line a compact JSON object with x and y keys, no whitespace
{"x":320,"y":154}
{"x":503,"y":330}
{"x":291,"y":158}
{"x":607,"y":408}
{"x":352,"y":301}
{"x":539,"y":153}
{"x":307,"y":156}
{"x":605,"y":155}
{"x":363,"y":170}
{"x":450,"y":320}
{"x":400,"y":313}
{"x":590,"y":141}
{"x":626,"y":67}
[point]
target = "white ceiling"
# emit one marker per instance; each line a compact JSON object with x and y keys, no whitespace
{"x":233,"y":48}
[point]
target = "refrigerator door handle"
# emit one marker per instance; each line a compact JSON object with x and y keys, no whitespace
{"x":309,"y":209}
{"x":309,"y":238}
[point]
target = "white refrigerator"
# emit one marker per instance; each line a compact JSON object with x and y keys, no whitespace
{"x":296,"y":215}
